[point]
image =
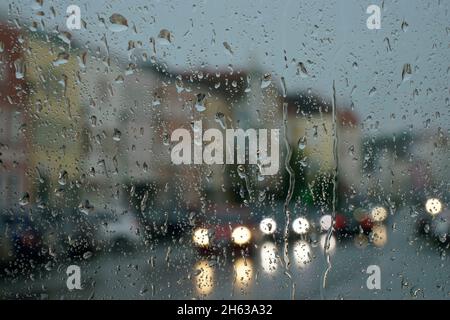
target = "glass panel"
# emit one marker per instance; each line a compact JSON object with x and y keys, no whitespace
{"x":195,"y":149}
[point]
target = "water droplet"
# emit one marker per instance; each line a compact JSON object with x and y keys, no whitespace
{"x":405,"y":26}
{"x":19,"y":66}
{"x":166,"y":138}
{"x":119,"y":79}
{"x":63,"y":58}
{"x":315,"y":131}
{"x":283,"y":87}
{"x":39,"y":175}
{"x":406,"y":72}
{"x":301,"y":69}
{"x":37,"y":4}
{"x":249,"y":79}
{"x":85,"y":207}
{"x":200,"y":103}
{"x":62,"y":178}
{"x":65,"y":36}
{"x":164,"y":37}
{"x":143,"y":291}
{"x":266,"y":80}
{"x":220,"y":117}
{"x":415,"y":292}
{"x":117,"y":135}
{"x":82,"y":60}
{"x":156,"y":100}
{"x":241,"y":171}
{"x":302,"y":143}
{"x":179,"y":84}
{"x":87,"y":255}
{"x":93,"y":121}
{"x":118,"y":23}
{"x":261,"y":196}
{"x":25,"y":200}
{"x":351,"y":151}
{"x":48,"y":266}
{"x":228,"y":48}
{"x":303,"y":162}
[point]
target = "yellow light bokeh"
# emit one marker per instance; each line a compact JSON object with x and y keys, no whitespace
{"x":204,"y":279}
{"x":243,"y":269}
{"x":201,"y":237}
{"x":379,"y":235}
{"x":378,"y":214}
{"x":241,"y":235}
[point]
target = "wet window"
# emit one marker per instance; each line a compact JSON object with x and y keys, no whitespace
{"x":224,"y":150}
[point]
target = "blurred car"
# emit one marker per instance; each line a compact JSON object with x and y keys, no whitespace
{"x":20,"y":240}
{"x":227,"y":228}
{"x":78,"y":234}
{"x":360,"y":219}
{"x":117,"y":230}
{"x":70,"y":234}
{"x":158,"y":214}
{"x":241,"y":228}
{"x":6,"y":242}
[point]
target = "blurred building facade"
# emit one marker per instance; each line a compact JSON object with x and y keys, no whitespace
{"x":79,"y":124}
{"x":14,"y":148}
{"x":55,"y":125}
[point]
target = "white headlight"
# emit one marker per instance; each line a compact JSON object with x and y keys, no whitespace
{"x":268,"y":226}
{"x":325,"y":222}
{"x":433,"y":206}
{"x":300,"y":226}
{"x":201,"y":237}
{"x":241,"y":235}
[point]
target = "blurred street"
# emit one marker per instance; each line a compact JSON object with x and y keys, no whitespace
{"x":411,"y":268}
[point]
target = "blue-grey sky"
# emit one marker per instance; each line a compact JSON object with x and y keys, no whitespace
{"x":329,"y":37}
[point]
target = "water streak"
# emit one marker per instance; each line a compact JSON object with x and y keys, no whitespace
{"x":287,"y":213}
{"x":335,"y":183}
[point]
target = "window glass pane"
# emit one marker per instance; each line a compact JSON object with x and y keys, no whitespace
{"x":195,"y":149}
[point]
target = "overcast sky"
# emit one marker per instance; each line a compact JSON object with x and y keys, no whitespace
{"x":329,"y":37}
